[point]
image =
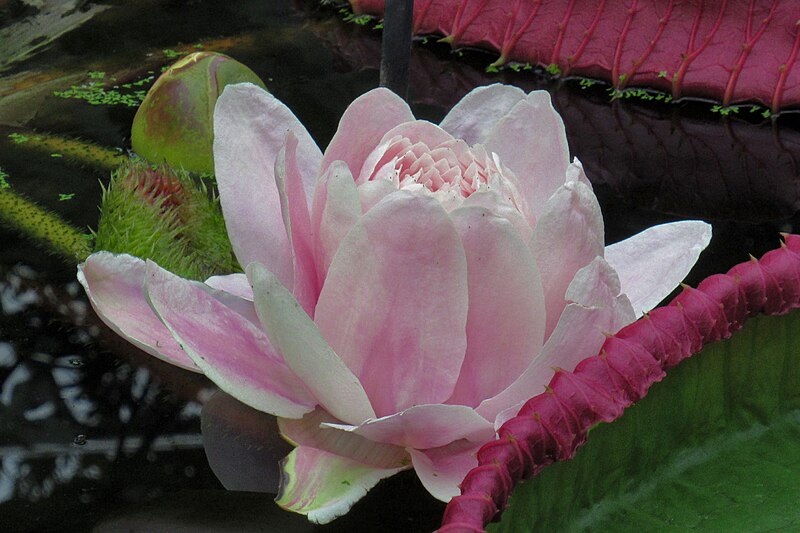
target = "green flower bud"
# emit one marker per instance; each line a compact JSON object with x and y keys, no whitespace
{"x":174,"y":124}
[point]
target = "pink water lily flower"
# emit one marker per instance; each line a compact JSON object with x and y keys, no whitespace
{"x":405,"y":292}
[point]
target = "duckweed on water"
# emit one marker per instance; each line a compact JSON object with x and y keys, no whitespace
{"x":96,"y":93}
{"x":3,"y":181}
{"x":62,"y":197}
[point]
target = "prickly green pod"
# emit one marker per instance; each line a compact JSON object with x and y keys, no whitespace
{"x":152,"y":211}
{"x":174,"y":124}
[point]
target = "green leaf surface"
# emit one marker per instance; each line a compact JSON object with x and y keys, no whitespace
{"x":714,"y":447}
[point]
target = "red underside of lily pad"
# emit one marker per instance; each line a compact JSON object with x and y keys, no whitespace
{"x":730,"y":51}
{"x":551,"y":426}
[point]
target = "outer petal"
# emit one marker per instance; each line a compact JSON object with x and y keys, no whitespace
{"x":304,"y":349}
{"x":531,"y":140}
{"x":506,"y":317}
{"x":297,"y":221}
{"x":652,"y":263}
{"x":307,"y":431}
{"x":372,"y":192}
{"x":230,"y":349}
{"x":114,"y":286}
{"x":598,"y":309}
{"x":494,"y":202}
{"x":250,"y":128}
{"x":236,"y":284}
{"x":394,"y":304}
{"x":474,"y":117}
{"x":442,"y":470}
{"x":336,"y":209}
{"x":363,"y":124}
{"x":568,"y":235}
{"x":424,"y":426}
{"x":325,"y":486}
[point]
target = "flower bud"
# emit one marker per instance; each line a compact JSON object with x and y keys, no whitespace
{"x":174,"y":124}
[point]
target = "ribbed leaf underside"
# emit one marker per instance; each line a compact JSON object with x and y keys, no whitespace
{"x":551,"y":426}
{"x":728,"y":50}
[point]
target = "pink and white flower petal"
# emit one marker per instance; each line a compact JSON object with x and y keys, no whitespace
{"x":394,"y":304}
{"x":506,"y":317}
{"x":336,"y":209}
{"x":325,"y":486}
{"x":235,"y":284}
{"x":402,"y":138}
{"x":531,"y":141}
{"x":652,"y":263}
{"x":114,"y":284}
{"x":441,"y":470}
{"x":575,"y":172}
{"x":372,"y":192}
{"x":228,"y":348}
{"x":292,"y":332}
{"x":474,"y":117}
{"x":568,"y":236}
{"x":494,"y":202}
{"x":297,"y":221}
{"x":582,"y":329}
{"x":363,"y":124}
{"x":424,"y":426}
{"x":250,"y":127}
{"x":309,"y":431}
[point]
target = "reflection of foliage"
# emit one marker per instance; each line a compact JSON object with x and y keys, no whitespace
{"x":75,"y":423}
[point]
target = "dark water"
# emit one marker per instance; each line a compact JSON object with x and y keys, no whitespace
{"x":95,"y":435}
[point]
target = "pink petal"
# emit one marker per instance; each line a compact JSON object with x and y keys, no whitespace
{"x":297,"y":221}
{"x":424,"y":426}
{"x":394,"y":305}
{"x":494,"y":202}
{"x":250,"y":127}
{"x":416,"y":131}
{"x":567,"y":236}
{"x":114,"y":286}
{"x":652,"y":263}
{"x":575,"y":172}
{"x":363,"y":124}
{"x":236,"y":284}
{"x":372,"y":192}
{"x":598,"y":310}
{"x":298,"y":340}
{"x":325,"y":486}
{"x":506,"y":317}
{"x":227,"y":347}
{"x":531,"y":141}
{"x":442,"y":470}
{"x":474,"y":117}
{"x":307,"y":431}
{"x":336,"y":209}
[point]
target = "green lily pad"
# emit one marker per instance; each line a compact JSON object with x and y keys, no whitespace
{"x":714,"y":447}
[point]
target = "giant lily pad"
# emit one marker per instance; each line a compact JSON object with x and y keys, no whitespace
{"x":714,"y":447}
{"x":732,"y":51}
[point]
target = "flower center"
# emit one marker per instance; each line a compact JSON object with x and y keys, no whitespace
{"x":451,"y":171}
